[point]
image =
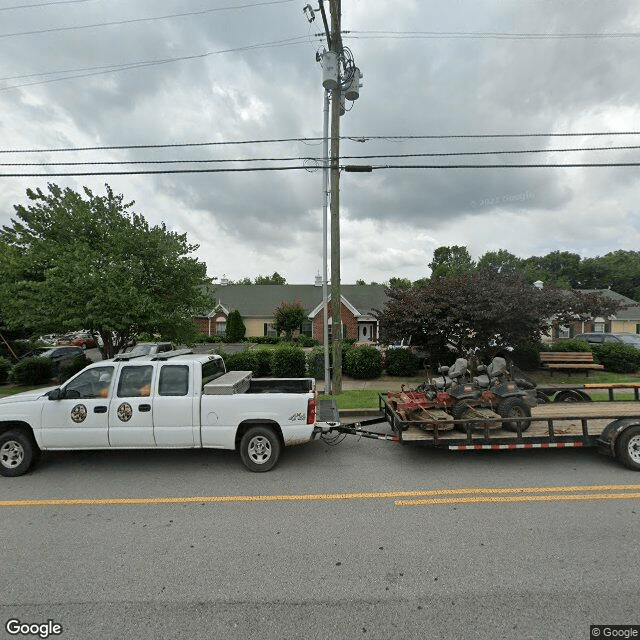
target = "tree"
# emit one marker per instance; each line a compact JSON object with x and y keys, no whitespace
{"x":399,"y":283}
{"x":619,"y":270}
{"x":451,"y":261}
{"x":483,"y":309}
{"x":276,"y":278}
{"x":288,"y":317}
{"x":501,"y":261}
{"x":360,"y":282}
{"x":83,"y":261}
{"x":235,"y":329}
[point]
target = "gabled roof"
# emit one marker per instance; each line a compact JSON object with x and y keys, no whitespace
{"x":629,"y":309}
{"x":259,"y":300}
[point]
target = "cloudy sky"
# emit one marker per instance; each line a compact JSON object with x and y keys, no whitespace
{"x":92,"y":73}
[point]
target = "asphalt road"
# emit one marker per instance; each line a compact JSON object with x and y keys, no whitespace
{"x":323,"y":546}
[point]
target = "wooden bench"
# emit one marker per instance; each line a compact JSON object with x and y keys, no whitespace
{"x":569,"y":360}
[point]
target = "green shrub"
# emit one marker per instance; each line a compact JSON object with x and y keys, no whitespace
{"x":568,"y":345}
{"x":617,"y":357}
{"x":5,"y":367}
{"x":263,"y":361}
{"x":526,"y":356}
{"x":306,"y":341}
{"x":241,"y":361}
{"x":315,"y":362}
{"x":65,"y":372}
{"x":401,"y":362}
{"x":364,"y":363}
{"x":30,"y":371}
{"x":288,"y":361}
{"x":235,"y":329}
{"x":264,"y":339}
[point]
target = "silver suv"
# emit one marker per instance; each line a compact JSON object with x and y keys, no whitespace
{"x":632,"y":339}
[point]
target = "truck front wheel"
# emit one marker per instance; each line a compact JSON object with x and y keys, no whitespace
{"x":16,"y":453}
{"x":628,"y":448}
{"x":260,"y":448}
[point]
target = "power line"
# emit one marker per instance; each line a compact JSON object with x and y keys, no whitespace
{"x":302,"y":167}
{"x":42,"y":4}
{"x":101,"y":70}
{"x":364,"y":35}
{"x":506,"y":166}
{"x":361,"y":139}
{"x":135,"y":20}
{"x":309,"y":158}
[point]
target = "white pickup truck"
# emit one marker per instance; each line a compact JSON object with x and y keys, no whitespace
{"x":171,"y":400}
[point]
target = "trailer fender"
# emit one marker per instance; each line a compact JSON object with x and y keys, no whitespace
{"x":610,"y":434}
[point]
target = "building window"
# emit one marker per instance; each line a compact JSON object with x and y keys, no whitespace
{"x":598,"y":327}
{"x":563,"y":332}
{"x":270,"y":329}
{"x":221,"y":327}
{"x":307,"y":329}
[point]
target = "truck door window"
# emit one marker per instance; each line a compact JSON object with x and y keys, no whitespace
{"x":135,"y":382}
{"x":174,"y":380}
{"x":94,"y":383}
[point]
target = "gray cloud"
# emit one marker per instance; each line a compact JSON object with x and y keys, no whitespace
{"x":412,"y":86}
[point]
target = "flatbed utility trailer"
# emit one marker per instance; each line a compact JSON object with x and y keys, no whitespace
{"x":579,"y":392}
{"x":611,"y":427}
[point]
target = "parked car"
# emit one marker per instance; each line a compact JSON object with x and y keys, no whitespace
{"x":61,"y":355}
{"x":632,"y":339}
{"x":49,"y":338}
{"x":82,"y":339}
{"x":149,"y":348}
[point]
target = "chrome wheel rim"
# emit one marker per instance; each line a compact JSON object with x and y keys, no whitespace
{"x":259,"y":449}
{"x":634,"y":449}
{"x":11,"y":454}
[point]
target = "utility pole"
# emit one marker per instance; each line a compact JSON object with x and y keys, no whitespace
{"x":341,"y":81}
{"x":336,"y":300}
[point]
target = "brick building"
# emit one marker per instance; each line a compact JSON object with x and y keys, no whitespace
{"x":256,"y":304}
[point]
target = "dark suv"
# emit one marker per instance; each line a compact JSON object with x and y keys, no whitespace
{"x":632,"y":339}
{"x":60,"y":355}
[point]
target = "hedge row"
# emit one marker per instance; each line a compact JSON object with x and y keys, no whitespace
{"x":616,"y":357}
{"x":34,"y":371}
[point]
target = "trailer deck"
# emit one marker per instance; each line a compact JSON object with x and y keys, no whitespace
{"x":612,"y":427}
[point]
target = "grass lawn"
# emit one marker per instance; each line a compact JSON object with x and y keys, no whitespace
{"x":10,"y":389}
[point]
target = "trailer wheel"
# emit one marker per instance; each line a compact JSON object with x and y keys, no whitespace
{"x":16,"y":453}
{"x":514,"y":408}
{"x":572,"y":395}
{"x":628,"y":448}
{"x":542,"y":397}
{"x":260,"y":449}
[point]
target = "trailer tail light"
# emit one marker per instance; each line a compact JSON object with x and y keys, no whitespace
{"x":311,"y":411}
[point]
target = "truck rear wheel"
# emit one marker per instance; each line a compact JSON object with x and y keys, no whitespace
{"x":260,"y":448}
{"x":628,"y":448}
{"x":16,"y":453}
{"x":514,"y":408}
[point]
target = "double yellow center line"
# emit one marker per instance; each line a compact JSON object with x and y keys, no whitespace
{"x":470,"y":495}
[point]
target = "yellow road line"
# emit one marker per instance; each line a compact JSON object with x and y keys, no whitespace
{"x":319,"y":497}
{"x":539,"y":498}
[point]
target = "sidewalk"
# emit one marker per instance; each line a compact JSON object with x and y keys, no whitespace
{"x":351,"y":384}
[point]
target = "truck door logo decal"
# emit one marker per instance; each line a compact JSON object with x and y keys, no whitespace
{"x":79,"y":413}
{"x":297,"y":417}
{"x":125,"y":412}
